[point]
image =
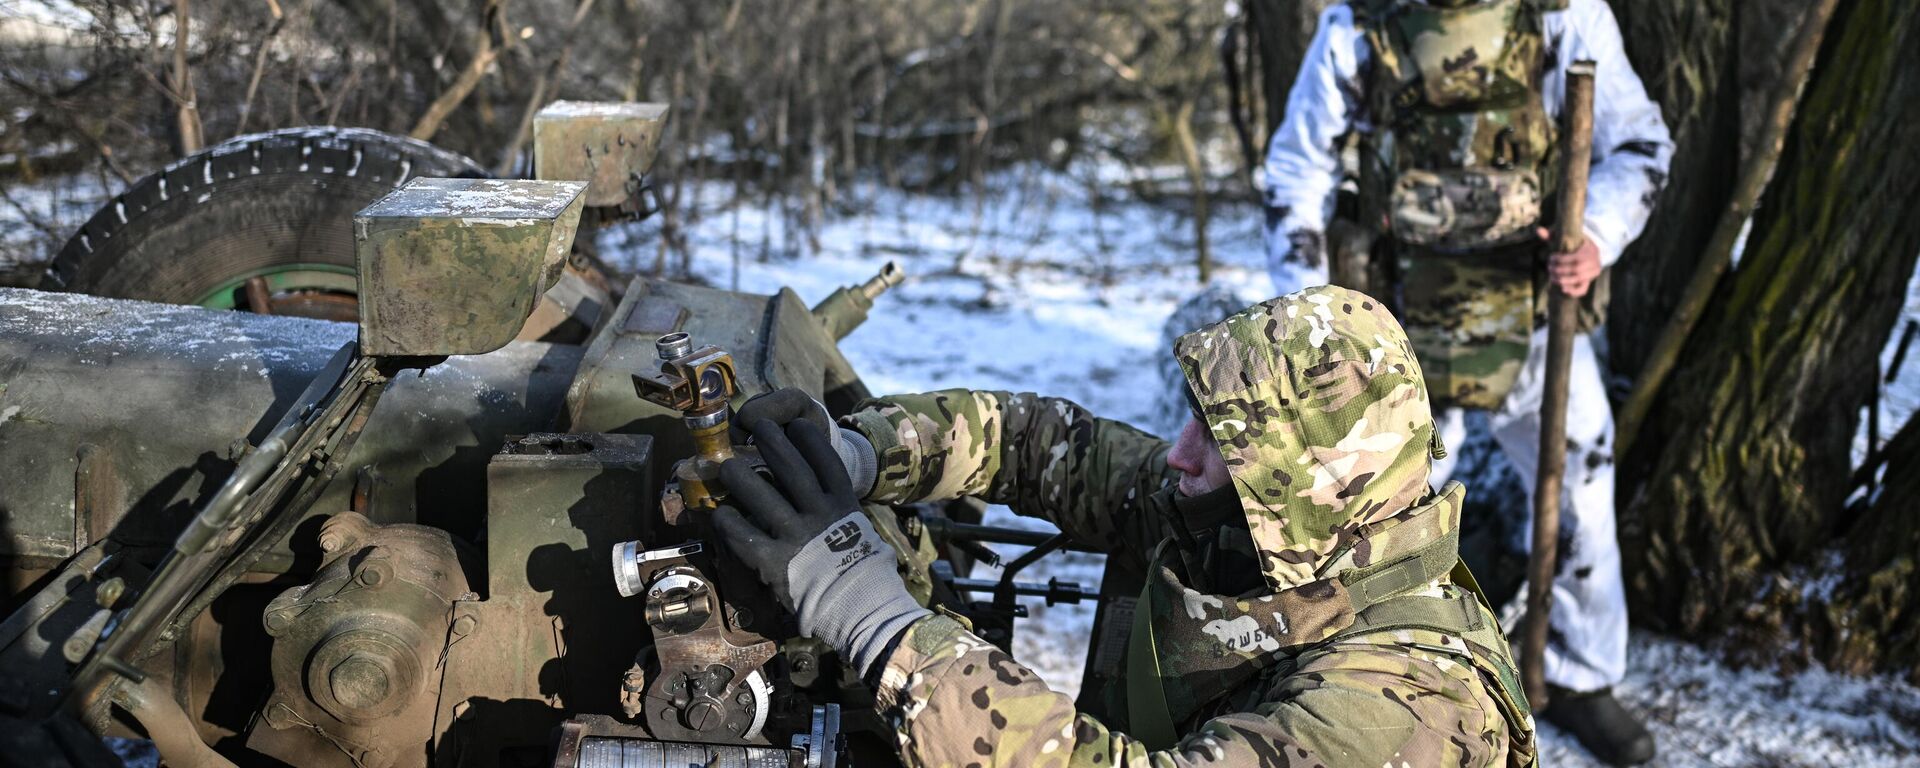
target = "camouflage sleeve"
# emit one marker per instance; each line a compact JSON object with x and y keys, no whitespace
{"x":1044,"y":457}
{"x":1631,"y":145}
{"x":1302,"y":166}
{"x":954,"y":701}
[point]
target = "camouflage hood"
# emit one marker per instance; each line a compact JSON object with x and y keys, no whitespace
{"x":1318,"y":406}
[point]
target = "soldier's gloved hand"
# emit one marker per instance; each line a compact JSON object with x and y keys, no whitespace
{"x":805,"y":535}
{"x":787,"y":405}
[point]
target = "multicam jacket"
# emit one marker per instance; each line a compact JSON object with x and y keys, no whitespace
{"x":1317,"y":405}
{"x":1329,"y":98}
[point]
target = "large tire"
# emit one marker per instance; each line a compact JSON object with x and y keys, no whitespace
{"x":278,"y":203}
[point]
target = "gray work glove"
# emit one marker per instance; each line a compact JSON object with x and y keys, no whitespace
{"x":788,"y":405}
{"x":809,"y":541}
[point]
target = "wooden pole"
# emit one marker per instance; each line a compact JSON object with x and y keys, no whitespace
{"x":1563,"y":313}
{"x":1753,"y":180}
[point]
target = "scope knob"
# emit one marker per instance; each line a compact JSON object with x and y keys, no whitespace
{"x":702,"y":714}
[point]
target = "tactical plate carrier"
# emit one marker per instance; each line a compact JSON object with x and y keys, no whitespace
{"x":1456,"y":173}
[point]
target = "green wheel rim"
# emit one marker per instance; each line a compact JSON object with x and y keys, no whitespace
{"x":286,"y":278}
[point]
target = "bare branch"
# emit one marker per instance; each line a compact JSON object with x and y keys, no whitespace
{"x":538,"y":97}
{"x":259,"y":66}
{"x":485,"y":52}
{"x":187,"y":113}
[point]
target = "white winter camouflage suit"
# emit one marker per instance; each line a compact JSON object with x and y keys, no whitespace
{"x":1631,"y":147}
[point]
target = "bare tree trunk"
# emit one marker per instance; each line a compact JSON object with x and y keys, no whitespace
{"x":1751,"y":479}
{"x":818,"y":174}
{"x":1197,"y":179}
{"x":1685,"y":53}
{"x":186,"y":111}
{"x":634,"y":17}
{"x":1870,"y":622}
{"x":1756,"y":169}
{"x":705,"y":64}
{"x":1766,"y":33}
{"x":988,"y":99}
{"x":259,"y":66}
{"x":1281,"y":30}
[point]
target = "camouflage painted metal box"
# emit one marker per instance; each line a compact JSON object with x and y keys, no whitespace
{"x":610,"y":145}
{"x":455,"y":266}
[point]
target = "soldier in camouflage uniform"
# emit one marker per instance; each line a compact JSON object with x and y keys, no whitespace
{"x":1453,"y":105}
{"x":1304,"y":602}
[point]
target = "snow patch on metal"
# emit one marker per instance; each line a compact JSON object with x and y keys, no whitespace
{"x":490,"y":201}
{"x":102,"y":329}
{"x":568,"y":109}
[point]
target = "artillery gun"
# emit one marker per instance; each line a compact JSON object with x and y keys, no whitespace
{"x":468,"y":528}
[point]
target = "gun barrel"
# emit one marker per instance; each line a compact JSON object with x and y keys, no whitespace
{"x":845,"y":309}
{"x":889,"y":276}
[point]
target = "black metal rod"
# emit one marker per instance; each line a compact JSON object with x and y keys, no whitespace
{"x":978,"y":551}
{"x":1003,"y":595}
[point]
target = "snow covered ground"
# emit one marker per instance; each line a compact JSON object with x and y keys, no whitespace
{"x":1042,"y":289}
{"x":36,"y":219}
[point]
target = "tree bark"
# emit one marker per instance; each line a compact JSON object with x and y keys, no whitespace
{"x":1281,"y":31}
{"x":1767,"y":33}
{"x":1749,"y":485}
{"x":1872,"y":621}
{"x":186,"y":111}
{"x":1756,"y":169}
{"x":1685,"y":53}
{"x":1197,"y":180}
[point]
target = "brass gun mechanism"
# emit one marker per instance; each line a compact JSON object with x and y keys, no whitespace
{"x":697,"y":383}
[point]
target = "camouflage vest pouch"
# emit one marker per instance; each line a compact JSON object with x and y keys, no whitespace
{"x":1470,"y":318}
{"x":1457,"y":173}
{"x":1462,"y":208}
{"x":1190,"y":649}
{"x":1460,"y":157}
